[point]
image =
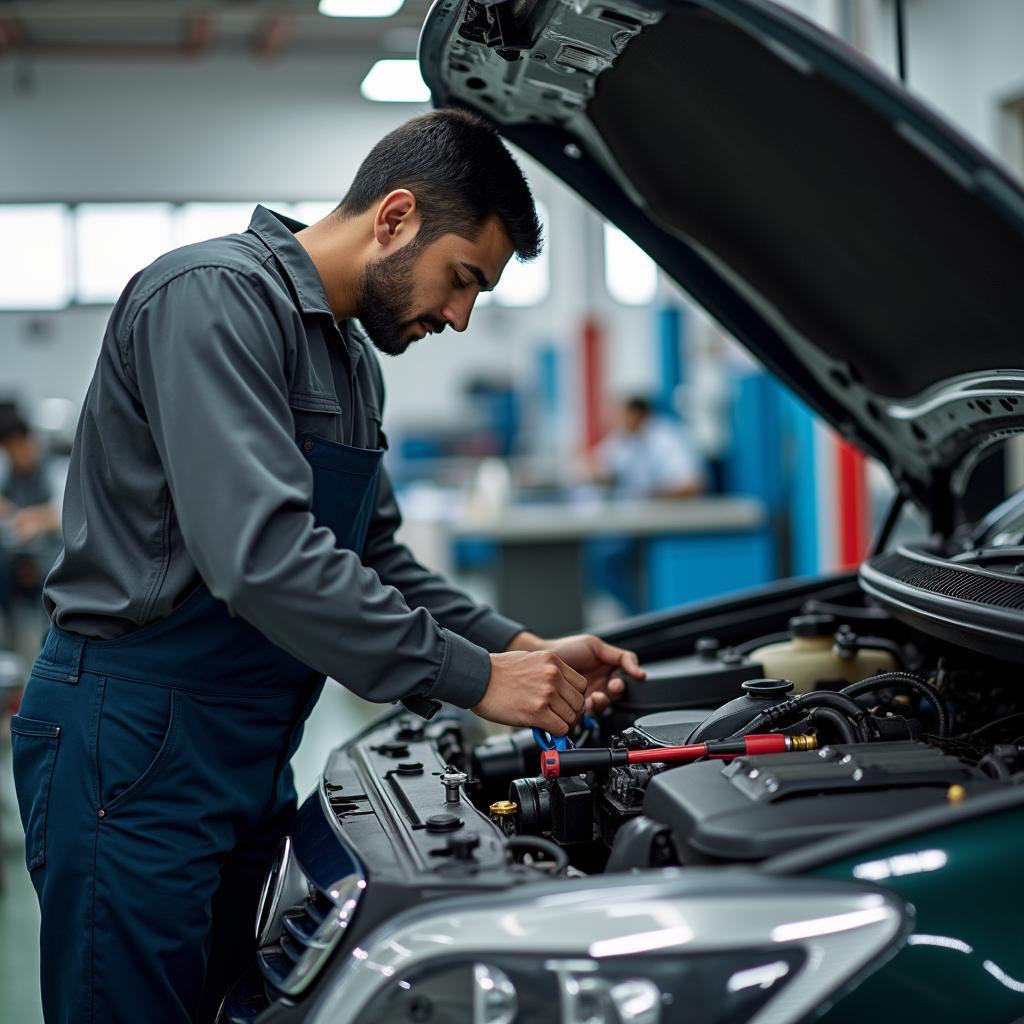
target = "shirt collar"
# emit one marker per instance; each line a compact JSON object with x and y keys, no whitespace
{"x":277,"y":232}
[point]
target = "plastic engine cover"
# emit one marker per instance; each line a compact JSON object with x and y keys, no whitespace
{"x":756,"y":807}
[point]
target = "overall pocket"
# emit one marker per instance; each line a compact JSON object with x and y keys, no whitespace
{"x":35,"y":753}
{"x":137,"y":730}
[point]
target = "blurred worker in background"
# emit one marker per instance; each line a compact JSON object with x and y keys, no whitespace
{"x":648,"y":456}
{"x":29,"y":525}
{"x":644,"y":456}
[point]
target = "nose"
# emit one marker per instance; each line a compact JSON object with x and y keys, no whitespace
{"x":457,"y":312}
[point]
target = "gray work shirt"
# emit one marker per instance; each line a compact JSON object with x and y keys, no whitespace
{"x":185,"y":467}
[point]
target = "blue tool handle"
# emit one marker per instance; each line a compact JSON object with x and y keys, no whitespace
{"x":548,"y":742}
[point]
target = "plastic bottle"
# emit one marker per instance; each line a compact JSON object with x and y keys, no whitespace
{"x":809,"y":658}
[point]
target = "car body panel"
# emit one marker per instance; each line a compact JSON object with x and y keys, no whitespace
{"x":966,"y":948}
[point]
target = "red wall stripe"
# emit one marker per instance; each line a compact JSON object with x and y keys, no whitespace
{"x":852,"y":493}
{"x":592,"y":360}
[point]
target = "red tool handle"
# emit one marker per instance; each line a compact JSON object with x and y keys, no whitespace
{"x":769,"y":743}
{"x":555,"y":763}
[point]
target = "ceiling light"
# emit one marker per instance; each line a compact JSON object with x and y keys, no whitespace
{"x":395,"y":81}
{"x":360,"y":8}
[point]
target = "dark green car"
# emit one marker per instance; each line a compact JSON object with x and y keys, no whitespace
{"x":844,"y":838}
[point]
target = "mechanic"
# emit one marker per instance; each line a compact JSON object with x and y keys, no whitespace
{"x":643,"y":456}
{"x":229,"y":542}
{"x":29,"y":522}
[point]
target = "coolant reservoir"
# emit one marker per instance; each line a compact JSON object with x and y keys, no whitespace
{"x":809,"y":657}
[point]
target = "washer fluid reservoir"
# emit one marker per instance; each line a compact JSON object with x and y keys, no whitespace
{"x":810,"y":660}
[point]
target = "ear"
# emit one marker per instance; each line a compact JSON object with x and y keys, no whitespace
{"x":397,"y":219}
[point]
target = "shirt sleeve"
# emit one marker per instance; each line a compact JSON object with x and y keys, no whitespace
{"x":674,"y":459}
{"x":208,"y":355}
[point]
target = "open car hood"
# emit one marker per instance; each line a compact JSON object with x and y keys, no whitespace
{"x":852,"y":240}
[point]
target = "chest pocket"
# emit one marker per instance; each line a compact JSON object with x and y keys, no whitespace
{"x":317,"y":414}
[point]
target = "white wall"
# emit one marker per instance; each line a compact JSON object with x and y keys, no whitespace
{"x":965,"y":59}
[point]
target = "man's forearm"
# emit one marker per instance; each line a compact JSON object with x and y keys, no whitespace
{"x":527,"y":641}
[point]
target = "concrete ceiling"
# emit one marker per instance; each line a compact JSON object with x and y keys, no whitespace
{"x":144,"y":30}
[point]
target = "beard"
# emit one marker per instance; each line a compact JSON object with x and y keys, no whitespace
{"x":384,"y":306}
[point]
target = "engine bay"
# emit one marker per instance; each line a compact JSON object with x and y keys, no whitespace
{"x":768,"y":723}
{"x":735,"y":752}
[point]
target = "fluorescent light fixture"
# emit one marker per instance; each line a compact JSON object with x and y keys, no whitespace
{"x":360,"y":8}
{"x":395,"y":81}
{"x":195,"y":222}
{"x":35,"y":260}
{"x":630,"y":275}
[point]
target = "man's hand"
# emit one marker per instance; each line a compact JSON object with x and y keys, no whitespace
{"x":533,"y":689}
{"x":592,"y":658}
{"x":34,"y":521}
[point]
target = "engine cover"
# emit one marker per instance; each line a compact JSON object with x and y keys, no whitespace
{"x":756,"y":807}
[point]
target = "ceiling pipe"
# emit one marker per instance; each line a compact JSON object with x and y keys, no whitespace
{"x":198,"y":33}
{"x":271,"y":36}
{"x":12,"y":37}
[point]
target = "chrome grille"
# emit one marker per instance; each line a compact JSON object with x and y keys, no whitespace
{"x":299,"y":924}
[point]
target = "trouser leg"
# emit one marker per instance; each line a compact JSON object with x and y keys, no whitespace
{"x":125,"y":874}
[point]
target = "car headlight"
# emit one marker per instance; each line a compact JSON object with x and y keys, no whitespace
{"x":702,"y":946}
{"x":545,"y":990}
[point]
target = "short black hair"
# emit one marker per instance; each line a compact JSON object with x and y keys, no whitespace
{"x":461,"y":174}
{"x":639,"y":404}
{"x":12,"y":423}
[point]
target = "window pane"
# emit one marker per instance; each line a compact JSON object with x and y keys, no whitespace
{"x":195,"y":222}
{"x":34,"y":256}
{"x":630,"y":275}
{"x":527,"y":284}
{"x":311,"y":212}
{"x":114,"y":241}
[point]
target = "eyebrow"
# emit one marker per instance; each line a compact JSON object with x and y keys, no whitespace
{"x":485,"y":285}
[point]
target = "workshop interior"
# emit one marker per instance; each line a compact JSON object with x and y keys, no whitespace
{"x":754,"y":414}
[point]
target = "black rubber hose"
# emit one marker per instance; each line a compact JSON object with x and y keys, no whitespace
{"x":995,"y":768}
{"x":905,"y":681}
{"x":778,"y":714}
{"x":834,"y":720}
{"x":843,"y":704}
{"x":553,"y":850}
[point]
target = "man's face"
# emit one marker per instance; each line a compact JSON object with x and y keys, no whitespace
{"x":23,"y":453}
{"x":420,"y":290}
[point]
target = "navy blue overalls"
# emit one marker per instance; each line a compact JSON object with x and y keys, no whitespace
{"x":153,"y":777}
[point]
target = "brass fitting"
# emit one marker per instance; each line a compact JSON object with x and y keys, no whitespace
{"x":503,"y":814}
{"x":803,"y":742}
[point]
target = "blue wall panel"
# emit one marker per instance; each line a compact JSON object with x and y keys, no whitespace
{"x":685,"y":568}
